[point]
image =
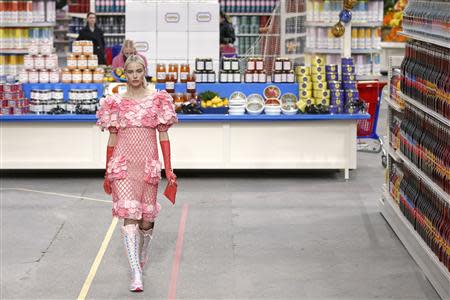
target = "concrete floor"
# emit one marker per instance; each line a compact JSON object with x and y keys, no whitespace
{"x":279,"y":236}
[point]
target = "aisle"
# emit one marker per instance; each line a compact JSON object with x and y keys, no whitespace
{"x":309,"y":236}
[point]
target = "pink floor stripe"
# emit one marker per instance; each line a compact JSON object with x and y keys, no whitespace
{"x":177,"y":256}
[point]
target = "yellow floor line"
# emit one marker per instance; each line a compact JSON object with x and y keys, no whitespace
{"x":97,"y":261}
{"x":56,"y":194}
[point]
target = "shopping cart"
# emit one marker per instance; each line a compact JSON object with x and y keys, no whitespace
{"x":370,"y":94}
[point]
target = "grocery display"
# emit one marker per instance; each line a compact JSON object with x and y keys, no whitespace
{"x":250,"y":7}
{"x":417,"y":197}
{"x":13,"y":101}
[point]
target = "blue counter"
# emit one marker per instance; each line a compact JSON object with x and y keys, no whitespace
{"x":191,"y":118}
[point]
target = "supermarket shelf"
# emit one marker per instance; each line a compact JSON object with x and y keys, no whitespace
{"x":41,"y":24}
{"x":110,"y":14}
{"x":392,"y":152}
{"x":13,"y":51}
{"x":63,"y":19}
{"x":431,"y":184}
{"x":249,"y":13}
{"x":392,"y":45}
{"x":392,"y":104}
{"x":72,"y":35}
{"x":291,"y":55}
{"x":114,"y":34}
{"x":354,"y":24}
{"x":77,"y":15}
{"x":61,"y":41}
{"x":339,"y":51}
{"x":295,"y":14}
{"x":369,"y":77}
{"x":427,"y":39}
{"x":287,"y":35}
{"x":256,"y":34}
{"x":60,"y":30}
{"x":417,"y":248}
{"x":425,"y":109}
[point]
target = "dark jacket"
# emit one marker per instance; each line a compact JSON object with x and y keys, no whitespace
{"x":97,"y":39}
{"x":227,"y":35}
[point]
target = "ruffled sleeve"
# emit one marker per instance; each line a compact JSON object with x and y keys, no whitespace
{"x":108,"y":114}
{"x":166,"y":110}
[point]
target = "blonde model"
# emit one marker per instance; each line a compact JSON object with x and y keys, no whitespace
{"x":133,"y":169}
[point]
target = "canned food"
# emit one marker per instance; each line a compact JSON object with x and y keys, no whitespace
{"x":331,"y":68}
{"x":304,"y":78}
{"x":303,"y":70}
{"x":349,"y":85}
{"x":348,"y":77}
{"x":305,"y":94}
{"x":351,"y":95}
{"x":323,"y":101}
{"x":305,"y":85}
{"x":336,"y":101}
{"x":320,"y":85}
{"x":318,"y":77}
{"x":318,"y":61}
{"x":334,"y":85}
{"x":310,"y":101}
{"x":348,"y":69}
{"x":317,"y":70}
{"x":322,"y":94}
{"x":332,"y":77}
{"x":345,"y":61}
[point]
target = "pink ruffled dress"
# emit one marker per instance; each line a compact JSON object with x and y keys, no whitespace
{"x":134,"y":168}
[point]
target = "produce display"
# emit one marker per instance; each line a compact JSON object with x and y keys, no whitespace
{"x":211,"y":102}
{"x":119,"y":75}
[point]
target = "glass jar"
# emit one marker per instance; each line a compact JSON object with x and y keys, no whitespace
{"x":44,"y":76}
{"x":290,"y":77}
{"x":262,"y":77}
{"x":283,"y":76}
{"x":226,"y":64}
{"x":223,"y":77}
{"x":28,"y":62}
{"x":278,"y":64}
{"x":92,"y":61}
{"x":77,"y":76}
{"x":45,"y":47}
{"x":51,"y":62}
{"x":209,"y":64}
{"x":199,"y":64}
{"x":287,"y":64}
{"x":173,"y":70}
{"x":235,"y":64}
{"x":259,"y":64}
{"x":161,"y":73}
{"x":23,"y":76}
{"x":71,"y":61}
{"x":39,"y":62}
{"x":66,"y":76}
{"x":248,"y":76}
{"x":99,"y":75}
{"x":230,"y":77}
{"x":77,"y":47}
{"x":251,"y":64}
{"x":54,"y":76}
{"x":191,"y":85}
{"x":88,"y":47}
{"x":255,"y":76}
{"x":34,"y":48}
{"x":185,"y":69}
{"x":58,"y":95}
{"x":204,"y":76}
{"x":82,"y":62}
{"x":170,"y":83}
{"x":87,"y":76}
{"x":276,"y":77}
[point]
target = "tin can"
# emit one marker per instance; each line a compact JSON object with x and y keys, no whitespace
{"x":304,"y":78}
{"x":305,"y":85}
{"x":323,"y":101}
{"x":320,"y":85}
{"x":305,"y":94}
{"x":319,"y":94}
{"x":318,"y":61}
{"x":332,"y":77}
{"x":348,"y":69}
{"x":317,"y":70}
{"x":348,"y":77}
{"x":303,"y":70}
{"x":349,"y":85}
{"x":334,"y":85}
{"x":351,"y":95}
{"x":346,"y":61}
{"x":318,"y":77}
{"x":331,"y":68}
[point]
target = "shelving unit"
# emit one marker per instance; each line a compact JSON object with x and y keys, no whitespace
{"x":428,"y":261}
{"x":20,"y":25}
{"x":13,"y":51}
{"x":110,"y":14}
{"x":426,"y":110}
{"x":339,"y":51}
{"x":417,"y":248}
{"x":292,"y":44}
{"x":77,"y":15}
{"x":356,"y":24}
{"x":248,"y":14}
{"x":428,"y":39}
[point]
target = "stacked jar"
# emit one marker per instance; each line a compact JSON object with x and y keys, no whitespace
{"x":41,"y":64}
{"x":82,"y":64}
{"x":204,"y":70}
{"x":82,"y":101}
{"x":283,"y":72}
{"x":255,"y":71}
{"x":12,"y":99}
{"x":349,"y":85}
{"x":230,"y":70}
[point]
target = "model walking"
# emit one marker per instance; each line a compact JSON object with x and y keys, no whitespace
{"x":133,"y":169}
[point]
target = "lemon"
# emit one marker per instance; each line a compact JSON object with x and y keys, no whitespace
{"x":203,"y":104}
{"x":209,"y":103}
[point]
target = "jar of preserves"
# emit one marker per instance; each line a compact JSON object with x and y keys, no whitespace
{"x":235,"y":64}
{"x":34,"y":47}
{"x":199,"y":64}
{"x":71,"y":61}
{"x":255,"y":76}
{"x":99,"y":75}
{"x":209,"y":64}
{"x":259,"y":64}
{"x":230,"y":77}
{"x":82,"y":62}
{"x":39,"y":62}
{"x":226,"y":64}
{"x":278,"y":64}
{"x":283,"y":76}
{"x":237,"y":77}
{"x":66,"y":76}
{"x":248,"y":76}
{"x":23,"y":76}
{"x":287,"y":64}
{"x":173,"y":69}
{"x":28,"y":62}
{"x":54,"y":76}
{"x":291,"y":77}
{"x":251,"y":64}
{"x":51,"y":62}
{"x":58,"y":94}
{"x":276,"y":77}
{"x":77,"y":76}
{"x":92,"y":61}
{"x":185,"y":69}
{"x":161,"y":73}
{"x":223,"y":77}
{"x":44,"y":76}
{"x":77,"y":47}
{"x":88,"y":47}
{"x":45,"y":47}
{"x":204,"y":76}
{"x":262,"y":77}
{"x":87,"y":76}
{"x":170,"y":83}
{"x":191,"y":85}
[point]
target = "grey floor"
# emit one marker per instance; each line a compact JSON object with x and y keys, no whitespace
{"x":280,"y":236}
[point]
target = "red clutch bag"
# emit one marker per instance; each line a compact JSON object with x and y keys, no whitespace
{"x":171,"y":191}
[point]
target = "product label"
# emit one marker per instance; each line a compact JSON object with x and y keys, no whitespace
{"x":161,"y":76}
{"x":191,"y":85}
{"x":66,"y":77}
{"x":259,"y":65}
{"x":54,"y":77}
{"x":278,"y":65}
{"x":44,"y":77}
{"x":82,"y":64}
{"x":88,"y":49}
{"x":77,"y":49}
{"x":92,"y":63}
{"x":71,"y":63}
{"x":209,"y":66}
{"x":39,"y":63}
{"x":226,"y":65}
{"x":76,"y":78}
{"x":223,"y":77}
{"x":170,"y":85}
{"x":183,"y":76}
{"x":249,"y":77}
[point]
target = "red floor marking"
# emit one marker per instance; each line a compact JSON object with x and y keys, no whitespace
{"x":177,"y":256}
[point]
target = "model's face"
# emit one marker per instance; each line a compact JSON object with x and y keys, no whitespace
{"x":135,"y":74}
{"x":91,"y":20}
{"x":128,"y":51}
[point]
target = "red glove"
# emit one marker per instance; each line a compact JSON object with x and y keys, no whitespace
{"x":106,"y":183}
{"x":165,"y":148}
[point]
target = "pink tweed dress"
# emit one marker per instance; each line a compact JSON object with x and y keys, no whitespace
{"x":134,"y":168}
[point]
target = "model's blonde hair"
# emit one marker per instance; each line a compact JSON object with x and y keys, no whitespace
{"x":139,"y":60}
{"x":128,"y":44}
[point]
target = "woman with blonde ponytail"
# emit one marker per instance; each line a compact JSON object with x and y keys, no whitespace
{"x":133,"y":169}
